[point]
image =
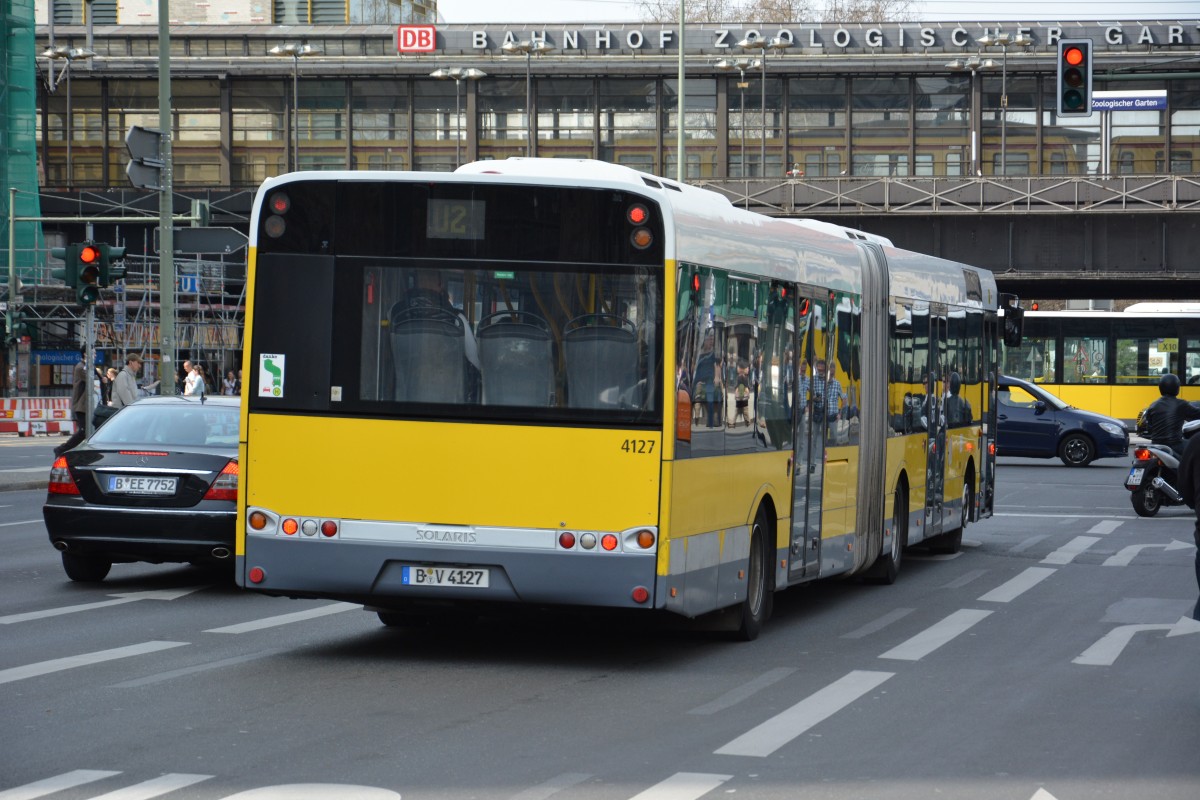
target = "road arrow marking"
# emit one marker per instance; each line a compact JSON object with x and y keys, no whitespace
{"x":83,"y":660}
{"x":1125,"y":557}
{"x":122,"y":598}
{"x":683,"y":786}
{"x":1042,"y":794}
{"x":1104,"y":652}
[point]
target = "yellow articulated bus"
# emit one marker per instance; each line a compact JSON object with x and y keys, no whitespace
{"x":565,"y":382}
{"x":1110,"y":362}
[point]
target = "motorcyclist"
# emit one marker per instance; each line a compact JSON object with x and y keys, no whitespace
{"x":1163,"y":420}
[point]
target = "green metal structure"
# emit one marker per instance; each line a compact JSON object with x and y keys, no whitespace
{"x":18,"y":136}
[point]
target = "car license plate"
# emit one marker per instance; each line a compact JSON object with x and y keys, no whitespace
{"x":445,"y":576}
{"x":1135,"y":477}
{"x":131,"y":484}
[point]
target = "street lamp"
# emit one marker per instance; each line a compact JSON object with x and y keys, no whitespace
{"x":458,"y":75}
{"x":764,"y":44}
{"x":528,"y":48}
{"x":741,"y":65}
{"x":973,"y":64}
{"x":1004,"y":41}
{"x":296,"y":52}
{"x":70,"y":55}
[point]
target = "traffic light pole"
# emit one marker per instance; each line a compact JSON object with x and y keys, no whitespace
{"x":11,"y":310}
{"x":166,"y":233}
{"x":89,"y":363}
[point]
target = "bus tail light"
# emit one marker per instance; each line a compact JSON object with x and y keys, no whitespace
{"x":256,"y":575}
{"x":566,"y":540}
{"x":329,"y":529}
{"x":61,"y":481}
{"x":641,"y":238}
{"x":640,"y":594}
{"x":258,"y":520}
{"x":290,"y":526}
{"x":608,"y":541}
{"x":225,"y":487}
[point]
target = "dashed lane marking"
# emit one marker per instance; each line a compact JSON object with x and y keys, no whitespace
{"x":683,"y":786}
{"x":83,"y":660}
{"x":937,"y":635}
{"x":68,"y":780}
{"x":1066,"y":554}
{"x":286,"y":619}
{"x":1015,"y":587}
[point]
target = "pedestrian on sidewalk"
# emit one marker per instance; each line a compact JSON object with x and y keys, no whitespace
{"x":81,"y":384}
{"x":125,"y":390}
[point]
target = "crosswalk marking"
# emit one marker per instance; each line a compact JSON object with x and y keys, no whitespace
{"x":286,"y":619}
{"x":154,"y":787}
{"x":763,"y":740}
{"x":68,"y":780}
{"x":82,"y":660}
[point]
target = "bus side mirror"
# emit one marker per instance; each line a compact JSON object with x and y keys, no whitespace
{"x":1014,"y":323}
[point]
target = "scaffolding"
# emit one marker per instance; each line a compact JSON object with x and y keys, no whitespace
{"x":18,"y":139}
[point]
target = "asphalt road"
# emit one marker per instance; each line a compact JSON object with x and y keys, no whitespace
{"x":1047,"y":660}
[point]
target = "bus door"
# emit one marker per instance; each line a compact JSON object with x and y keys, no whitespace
{"x":935,"y":445}
{"x":991,"y":348}
{"x":809,"y":441}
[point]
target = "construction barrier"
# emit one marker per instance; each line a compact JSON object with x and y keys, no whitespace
{"x":28,"y":416}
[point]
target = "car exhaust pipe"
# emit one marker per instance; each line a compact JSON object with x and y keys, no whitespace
{"x":220,"y":552}
{"x":60,"y":546}
{"x":1167,"y":489}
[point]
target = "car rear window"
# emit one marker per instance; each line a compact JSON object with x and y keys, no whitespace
{"x":177,"y":425}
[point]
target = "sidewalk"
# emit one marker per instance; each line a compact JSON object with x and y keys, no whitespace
{"x":18,"y":478}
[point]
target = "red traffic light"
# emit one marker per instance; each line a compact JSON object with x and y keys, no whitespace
{"x":1073,"y":56}
{"x":89,"y":254}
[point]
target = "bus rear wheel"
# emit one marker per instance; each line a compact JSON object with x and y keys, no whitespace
{"x":887,"y":567}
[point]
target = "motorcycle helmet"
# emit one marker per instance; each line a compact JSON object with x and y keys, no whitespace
{"x":1168,"y":385}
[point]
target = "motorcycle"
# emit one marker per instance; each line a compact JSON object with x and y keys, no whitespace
{"x":1153,"y":478}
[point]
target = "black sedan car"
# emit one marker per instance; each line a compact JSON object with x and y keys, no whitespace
{"x":1032,"y":422}
{"x":157,"y":482}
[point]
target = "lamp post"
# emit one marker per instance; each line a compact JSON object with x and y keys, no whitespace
{"x":528,"y":48}
{"x":69,"y":55}
{"x":296,"y":52}
{"x":973,"y":64}
{"x":458,"y":75}
{"x":741,"y":65}
{"x":1004,"y":41}
{"x":764,"y":44}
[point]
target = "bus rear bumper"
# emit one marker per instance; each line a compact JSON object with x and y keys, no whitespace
{"x":374,"y":574}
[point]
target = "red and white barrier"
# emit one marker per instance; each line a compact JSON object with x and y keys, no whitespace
{"x":32,"y":415}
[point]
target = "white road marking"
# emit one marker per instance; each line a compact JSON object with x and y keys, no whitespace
{"x":1126,"y":555}
{"x":1066,"y":554}
{"x":773,"y":734}
{"x":315,"y":791}
{"x":1042,"y":794}
{"x":1066,"y":516}
{"x":939,"y":557}
{"x":936,"y":635}
{"x":179,"y":673}
{"x":286,"y":619}
{"x":745,"y":690}
{"x":964,"y":579}
{"x":1016,"y":586}
{"x":552,"y":786}
{"x":83,"y":660}
{"x":1104,"y":652}
{"x":1105,"y":527}
{"x":154,"y":787}
{"x":683,"y":786}
{"x":1027,"y":543}
{"x":126,"y":597}
{"x":23,"y":522}
{"x":879,"y":624}
{"x":68,"y":780}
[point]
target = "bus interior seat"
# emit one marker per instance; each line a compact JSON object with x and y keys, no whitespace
{"x":428,"y":355}
{"x":601,"y":356}
{"x":516,"y":359}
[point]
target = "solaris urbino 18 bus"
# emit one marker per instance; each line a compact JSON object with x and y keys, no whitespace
{"x":562,"y":382}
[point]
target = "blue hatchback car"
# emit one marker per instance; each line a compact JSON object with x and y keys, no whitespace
{"x":1033,"y":423}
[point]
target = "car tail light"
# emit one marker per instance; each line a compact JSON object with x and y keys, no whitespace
{"x":61,"y":481}
{"x":225,"y":487}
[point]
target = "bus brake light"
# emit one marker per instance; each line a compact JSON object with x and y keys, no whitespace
{"x":290,"y":526}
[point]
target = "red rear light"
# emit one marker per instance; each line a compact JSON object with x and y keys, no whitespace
{"x":290,"y":526}
{"x":1143,"y":454}
{"x":608,"y":541}
{"x":142,"y":453}
{"x":566,"y":540}
{"x":329,"y":528}
{"x":225,"y":487}
{"x":640,"y":594}
{"x":61,"y":481}
{"x":257,"y":575}
{"x":637,"y":214}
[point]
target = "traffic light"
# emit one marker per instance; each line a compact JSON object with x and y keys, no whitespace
{"x":20,"y":327}
{"x":87,"y":270}
{"x":1075,"y":77}
{"x":110,"y":273}
{"x":69,"y":271}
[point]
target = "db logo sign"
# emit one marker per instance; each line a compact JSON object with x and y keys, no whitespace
{"x":416,"y":38}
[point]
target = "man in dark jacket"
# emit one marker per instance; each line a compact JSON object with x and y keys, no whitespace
{"x":81,"y":394}
{"x":1164,"y":418}
{"x":1189,"y":487}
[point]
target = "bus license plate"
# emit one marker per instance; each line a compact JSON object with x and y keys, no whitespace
{"x":1135,"y":477}
{"x":445,"y":576}
{"x":126,"y":484}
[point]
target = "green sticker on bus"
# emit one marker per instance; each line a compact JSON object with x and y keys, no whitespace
{"x":503,"y":276}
